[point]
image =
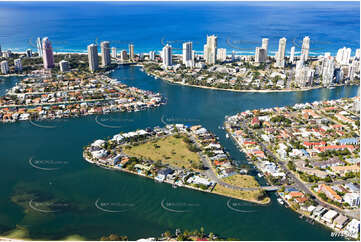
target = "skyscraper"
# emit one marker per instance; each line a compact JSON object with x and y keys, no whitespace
{"x":280,"y":55}
{"x":4,"y":66}
{"x":93,"y":57}
{"x":40,"y":47}
{"x":265,"y":45}
{"x":64,"y":66}
{"x":221,"y":54}
{"x":167,"y":55}
{"x":187,"y":54}
{"x":131,"y":51}
{"x":29,"y":53}
{"x":328,"y":68}
{"x":260,"y":55}
{"x":357,"y":53}
{"x":292,"y":56}
{"x":105,"y":53}
{"x":18,"y":65}
{"x":48,"y":57}
{"x":123,"y":55}
{"x":343,"y":56}
{"x":114,"y":52}
{"x":305,"y":47}
{"x":151,"y":55}
{"x":210,"y":50}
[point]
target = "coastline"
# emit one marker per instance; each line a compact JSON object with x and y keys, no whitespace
{"x":235,"y":90}
{"x":168,"y":182}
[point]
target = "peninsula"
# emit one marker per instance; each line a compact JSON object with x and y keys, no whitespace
{"x":183,"y":156}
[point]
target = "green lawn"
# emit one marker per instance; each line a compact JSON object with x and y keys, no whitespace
{"x":170,"y":150}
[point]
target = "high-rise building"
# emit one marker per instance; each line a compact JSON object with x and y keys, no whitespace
{"x":210,"y":50}
{"x":357,"y":53}
{"x":339,"y":75}
{"x":221,"y":54}
{"x":187,"y":54}
{"x":151,"y":55}
{"x":29,"y":53}
{"x":265,"y":45}
{"x":114,"y":52}
{"x":305,"y":47}
{"x":0,"y":51}
{"x":280,"y":55}
{"x":93,"y":57}
{"x":64,"y":66}
{"x":123,"y":55}
{"x":105,"y":49}
{"x":353,"y":69}
{"x":328,"y":69}
{"x":167,"y":55}
{"x":233,"y":55}
{"x":327,"y":54}
{"x":4,"y":66}
{"x":48,"y":57}
{"x":260,"y":55}
{"x":18,"y":65}
{"x":343,"y":56}
{"x":40,"y":47}
{"x":292,"y":56}
{"x":304,"y":76}
{"x":131,"y":51}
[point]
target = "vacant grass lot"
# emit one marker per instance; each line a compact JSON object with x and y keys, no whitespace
{"x":252,"y":196}
{"x":170,"y":150}
{"x":241,"y":180}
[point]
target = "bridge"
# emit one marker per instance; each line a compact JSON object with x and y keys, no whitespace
{"x":270,"y":188}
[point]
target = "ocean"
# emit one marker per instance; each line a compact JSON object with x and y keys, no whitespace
{"x":240,"y":26}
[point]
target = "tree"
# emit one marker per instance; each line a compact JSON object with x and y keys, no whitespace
{"x":167,"y":234}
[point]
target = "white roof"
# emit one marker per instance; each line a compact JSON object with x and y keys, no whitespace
{"x":98,"y":142}
{"x":311,"y":208}
{"x":330,"y":214}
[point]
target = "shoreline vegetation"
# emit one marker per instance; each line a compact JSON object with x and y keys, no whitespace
{"x":169,"y":80}
{"x":133,"y":153}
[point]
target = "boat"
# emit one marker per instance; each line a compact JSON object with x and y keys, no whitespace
{"x":227,"y":136}
{"x":259,"y":175}
{"x":174,"y":185}
{"x":280,"y":201}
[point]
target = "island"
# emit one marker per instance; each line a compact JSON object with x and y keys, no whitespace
{"x":311,"y":151}
{"x":182,"y":156}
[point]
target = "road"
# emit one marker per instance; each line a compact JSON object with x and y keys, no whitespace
{"x":298,"y":184}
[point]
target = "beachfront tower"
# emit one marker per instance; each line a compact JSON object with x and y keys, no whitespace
{"x":292,"y":56}
{"x":167,"y":55}
{"x":131,"y":51}
{"x":260,"y":55}
{"x":39,"y":46}
{"x":18,"y":65}
{"x":210,"y":50}
{"x":105,"y":53}
{"x":280,"y":55}
{"x":4,"y":66}
{"x":114,"y":52}
{"x":265,"y":45}
{"x":48,"y":57}
{"x":305,"y":47}
{"x":93,"y":57}
{"x":187,"y":54}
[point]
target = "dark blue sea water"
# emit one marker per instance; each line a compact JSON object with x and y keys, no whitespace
{"x":239,"y":26}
